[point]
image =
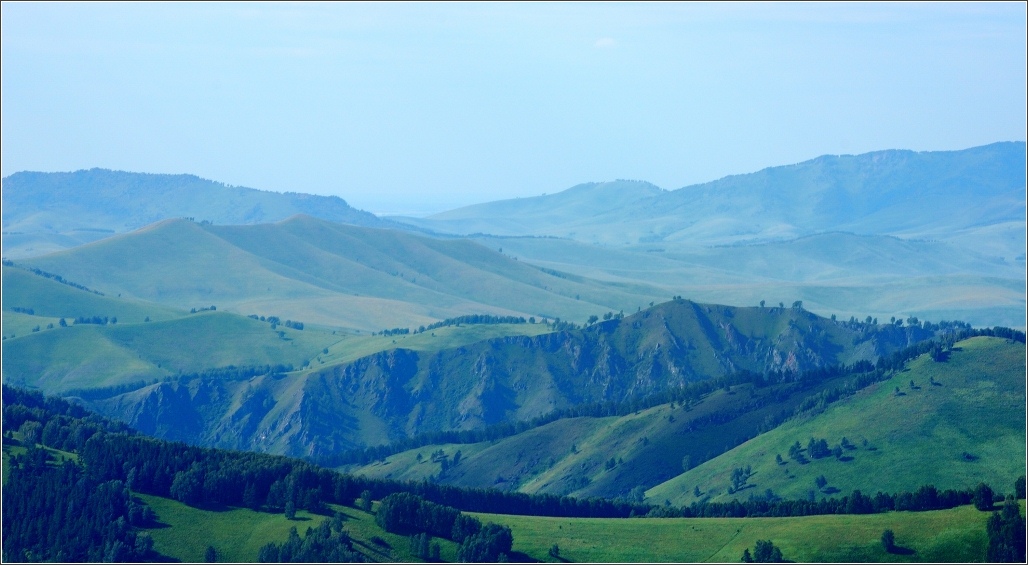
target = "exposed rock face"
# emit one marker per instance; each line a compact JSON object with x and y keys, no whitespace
{"x":401,"y":393}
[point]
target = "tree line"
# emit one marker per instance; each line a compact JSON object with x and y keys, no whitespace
{"x":328,"y":543}
{"x":275,"y":321}
{"x":51,"y":276}
{"x":406,"y":513}
{"x":63,"y":513}
{"x":227,"y":373}
{"x":111,"y":453}
{"x":472,"y":319}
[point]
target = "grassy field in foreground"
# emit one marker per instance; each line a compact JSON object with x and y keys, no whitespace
{"x":955,"y":535}
{"x":238,"y":533}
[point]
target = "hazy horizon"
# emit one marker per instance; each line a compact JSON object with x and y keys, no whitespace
{"x":419,"y":108}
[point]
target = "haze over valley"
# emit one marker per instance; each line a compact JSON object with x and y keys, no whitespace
{"x":514,"y":282}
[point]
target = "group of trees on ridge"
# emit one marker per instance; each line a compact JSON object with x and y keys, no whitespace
{"x":51,"y":276}
{"x":275,"y":321}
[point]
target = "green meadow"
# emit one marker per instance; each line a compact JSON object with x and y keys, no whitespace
{"x":961,"y":423}
{"x":237,"y":534}
{"x":956,"y":535}
{"x":352,"y":347}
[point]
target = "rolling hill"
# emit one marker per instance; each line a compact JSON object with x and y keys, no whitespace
{"x":963,"y":424}
{"x":879,"y":193}
{"x":400,"y":393}
{"x":936,"y":235}
{"x":832,"y":273}
{"x":330,"y":274}
{"x":45,"y":212}
{"x":156,"y":522}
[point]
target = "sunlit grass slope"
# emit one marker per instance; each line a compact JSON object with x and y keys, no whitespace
{"x":352,"y":347}
{"x":955,"y":535}
{"x":595,"y":456}
{"x":89,"y":356}
{"x":237,"y":534}
{"x":331,"y":274}
{"x":49,"y":298}
{"x":966,"y":428}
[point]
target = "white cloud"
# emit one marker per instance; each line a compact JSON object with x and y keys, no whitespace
{"x":604,"y":42}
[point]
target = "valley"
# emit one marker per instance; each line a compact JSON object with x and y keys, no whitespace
{"x":804,"y":348}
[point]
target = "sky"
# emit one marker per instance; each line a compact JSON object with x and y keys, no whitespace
{"x":413,"y":108}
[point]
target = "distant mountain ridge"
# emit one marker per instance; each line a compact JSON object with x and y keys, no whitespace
{"x":45,"y":212}
{"x":892,"y":192}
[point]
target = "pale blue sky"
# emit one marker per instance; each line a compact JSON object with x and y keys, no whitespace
{"x":424,"y":107}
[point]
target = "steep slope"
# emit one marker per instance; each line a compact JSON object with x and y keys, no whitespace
{"x":320,"y":272}
{"x":911,"y":440}
{"x":44,"y":212}
{"x":401,"y":393}
{"x":962,"y":422}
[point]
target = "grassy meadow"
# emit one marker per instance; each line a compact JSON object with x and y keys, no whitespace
{"x":965,"y":428}
{"x":956,"y":535}
{"x":238,"y":534}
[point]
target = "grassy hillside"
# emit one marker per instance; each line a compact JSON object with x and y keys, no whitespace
{"x":45,"y":212}
{"x":921,"y":439}
{"x":89,"y":355}
{"x":778,"y":234}
{"x":339,"y":276}
{"x":238,"y":533}
{"x":352,"y":347}
{"x":49,"y":298}
{"x":956,"y":535}
{"x":833,"y":273}
{"x":183,"y":532}
{"x":965,"y":428}
{"x":599,"y":456}
{"x":874,"y":193}
{"x":414,"y":388}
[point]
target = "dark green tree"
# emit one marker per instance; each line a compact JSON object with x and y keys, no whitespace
{"x":1006,"y":531}
{"x":982,"y":497}
{"x":766,"y":552}
{"x":210,"y":555}
{"x":888,"y":541}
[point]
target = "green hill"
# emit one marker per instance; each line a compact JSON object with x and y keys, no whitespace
{"x":962,"y":423}
{"x":880,"y":193}
{"x":956,"y":535}
{"x":331,"y":274}
{"x":131,"y":489}
{"x":46,"y":212}
{"x":921,"y":439}
{"x":832,"y":273}
{"x":46,"y":297}
{"x":849,"y":235}
{"x":91,"y":356}
{"x":401,"y":392}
